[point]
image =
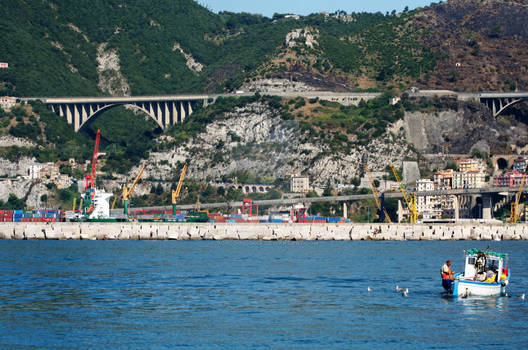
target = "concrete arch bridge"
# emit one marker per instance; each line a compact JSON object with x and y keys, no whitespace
{"x":165,"y":110}
{"x":246,"y":189}
{"x":498,"y":102}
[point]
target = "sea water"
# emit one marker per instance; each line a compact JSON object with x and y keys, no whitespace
{"x":250,"y":294}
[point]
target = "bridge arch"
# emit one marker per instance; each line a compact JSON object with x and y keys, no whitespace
{"x":164,"y":112}
{"x":110,"y":106}
{"x":500,"y":104}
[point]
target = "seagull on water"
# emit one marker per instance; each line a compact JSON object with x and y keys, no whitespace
{"x":522,"y":297}
{"x":405,"y":292}
{"x":398,"y":289}
{"x":369,"y":289}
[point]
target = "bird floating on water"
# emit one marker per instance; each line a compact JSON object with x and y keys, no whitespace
{"x":398,"y":289}
{"x":522,"y":296}
{"x":405,"y":292}
{"x":369,"y":289}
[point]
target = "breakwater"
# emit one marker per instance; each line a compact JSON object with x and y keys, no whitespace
{"x":267,"y":232}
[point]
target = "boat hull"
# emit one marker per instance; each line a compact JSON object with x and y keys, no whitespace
{"x":474,"y":288}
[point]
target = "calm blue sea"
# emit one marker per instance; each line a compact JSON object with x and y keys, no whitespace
{"x":246,"y":294}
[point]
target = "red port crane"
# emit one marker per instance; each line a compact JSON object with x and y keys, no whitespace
{"x":90,"y":179}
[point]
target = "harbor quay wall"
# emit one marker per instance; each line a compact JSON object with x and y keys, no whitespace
{"x":262,"y":231}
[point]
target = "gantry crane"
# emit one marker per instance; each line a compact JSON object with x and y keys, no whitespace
{"x":376,"y":196}
{"x":128,"y":191}
{"x":410,"y":200}
{"x":176,"y":192}
{"x":514,"y":215}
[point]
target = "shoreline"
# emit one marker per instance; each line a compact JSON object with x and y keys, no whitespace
{"x":263,"y":232}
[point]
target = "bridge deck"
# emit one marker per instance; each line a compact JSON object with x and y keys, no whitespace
{"x":356,"y":197}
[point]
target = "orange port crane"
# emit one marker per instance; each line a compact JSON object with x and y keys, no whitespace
{"x":514,"y":215}
{"x":176,"y":193}
{"x":376,"y":196}
{"x":410,"y":200}
{"x":128,"y":191}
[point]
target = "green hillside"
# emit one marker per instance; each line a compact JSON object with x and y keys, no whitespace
{"x":52,"y":47}
{"x":52,"y":50}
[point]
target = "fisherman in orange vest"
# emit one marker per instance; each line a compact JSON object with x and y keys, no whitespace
{"x":447,"y":275}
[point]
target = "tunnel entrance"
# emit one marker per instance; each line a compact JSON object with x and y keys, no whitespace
{"x":502,"y":163}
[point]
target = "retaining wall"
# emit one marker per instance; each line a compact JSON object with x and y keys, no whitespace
{"x":266,"y":232}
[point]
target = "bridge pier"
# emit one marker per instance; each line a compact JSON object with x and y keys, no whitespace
{"x":487,"y":206}
{"x":456,"y":207}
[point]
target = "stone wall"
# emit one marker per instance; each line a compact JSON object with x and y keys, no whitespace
{"x":266,"y":232}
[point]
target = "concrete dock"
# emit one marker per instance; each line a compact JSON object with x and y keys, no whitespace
{"x":265,"y":232}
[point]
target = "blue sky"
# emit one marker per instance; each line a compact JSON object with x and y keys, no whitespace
{"x":305,"y":7}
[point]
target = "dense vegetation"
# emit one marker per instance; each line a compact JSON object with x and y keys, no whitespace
{"x":52,"y":47}
{"x":344,"y":127}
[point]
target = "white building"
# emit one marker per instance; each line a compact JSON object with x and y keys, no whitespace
{"x":33,"y":171}
{"x":469,"y":179}
{"x":7,"y":102}
{"x":300,"y":184}
{"x":292,"y":16}
{"x":469,"y":164}
{"x":444,"y":179}
{"x":430,"y":207}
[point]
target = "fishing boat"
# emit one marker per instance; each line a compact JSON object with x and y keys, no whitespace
{"x":485,"y":274}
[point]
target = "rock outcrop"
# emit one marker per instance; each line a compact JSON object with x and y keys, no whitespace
{"x":256,"y":139}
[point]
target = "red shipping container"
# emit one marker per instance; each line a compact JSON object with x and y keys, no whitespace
{"x":26,"y":219}
{"x":1,"y":219}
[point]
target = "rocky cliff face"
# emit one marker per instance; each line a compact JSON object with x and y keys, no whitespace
{"x":459,"y":131}
{"x":256,"y":139}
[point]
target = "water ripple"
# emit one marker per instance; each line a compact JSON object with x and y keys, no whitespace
{"x":157,"y":295}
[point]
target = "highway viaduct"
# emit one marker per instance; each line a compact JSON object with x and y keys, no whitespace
{"x":168,"y":110}
{"x":486,"y":194}
{"x":497,"y":102}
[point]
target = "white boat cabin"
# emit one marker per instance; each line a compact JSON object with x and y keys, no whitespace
{"x":485,"y":266}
